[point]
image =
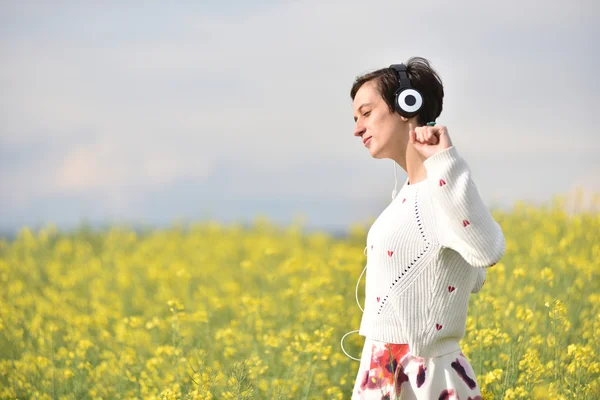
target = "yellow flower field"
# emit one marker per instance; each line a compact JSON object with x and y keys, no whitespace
{"x":209,"y":311}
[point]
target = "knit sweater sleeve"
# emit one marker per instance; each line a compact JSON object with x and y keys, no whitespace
{"x":463,"y":222}
{"x":479,"y":281}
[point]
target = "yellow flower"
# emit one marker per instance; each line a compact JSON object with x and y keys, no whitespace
{"x":68,"y":374}
{"x":518,"y":272}
{"x":547,"y":275}
{"x":174,"y":312}
{"x":492,"y":376}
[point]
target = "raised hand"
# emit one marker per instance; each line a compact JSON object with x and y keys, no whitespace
{"x":429,"y":140}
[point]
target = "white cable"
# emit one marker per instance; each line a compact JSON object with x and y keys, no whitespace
{"x":395,"y":191}
{"x":342,"y":344}
{"x":356,"y":291}
{"x":361,"y":309}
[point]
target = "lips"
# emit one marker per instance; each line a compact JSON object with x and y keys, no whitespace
{"x":366,"y":140}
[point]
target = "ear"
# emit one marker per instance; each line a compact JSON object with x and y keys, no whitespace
{"x":412,"y":119}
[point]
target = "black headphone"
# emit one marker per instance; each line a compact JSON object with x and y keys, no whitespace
{"x":407,"y":100}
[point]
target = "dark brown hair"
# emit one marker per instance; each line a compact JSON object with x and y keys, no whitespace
{"x":422,"y":77}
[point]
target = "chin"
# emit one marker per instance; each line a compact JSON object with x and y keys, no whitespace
{"x":375,"y":153}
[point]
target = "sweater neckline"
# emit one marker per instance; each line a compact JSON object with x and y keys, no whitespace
{"x":413,"y":186}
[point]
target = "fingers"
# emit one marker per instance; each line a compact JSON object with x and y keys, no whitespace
{"x":412,"y":136}
{"x":427,"y":134}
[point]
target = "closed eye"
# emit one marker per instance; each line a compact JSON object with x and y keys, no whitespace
{"x":364,"y":115}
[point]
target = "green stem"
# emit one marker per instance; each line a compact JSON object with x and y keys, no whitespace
{"x":312,"y":373}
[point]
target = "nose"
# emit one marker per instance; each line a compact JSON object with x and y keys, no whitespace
{"x":359,"y":128}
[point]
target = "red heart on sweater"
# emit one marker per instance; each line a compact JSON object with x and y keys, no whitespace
{"x":451,"y":289}
{"x":378,"y":299}
{"x":390,"y":252}
{"x":438,"y":326}
{"x":442,"y":182}
{"x":465,"y":222}
{"x":403,"y":200}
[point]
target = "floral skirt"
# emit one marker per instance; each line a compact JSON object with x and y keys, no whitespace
{"x":389,"y":371}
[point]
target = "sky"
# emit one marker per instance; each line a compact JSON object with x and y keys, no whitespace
{"x":151,"y":113}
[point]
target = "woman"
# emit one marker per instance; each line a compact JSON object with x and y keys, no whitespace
{"x":427,"y":251}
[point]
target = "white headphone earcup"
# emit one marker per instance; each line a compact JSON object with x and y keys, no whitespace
{"x":409,"y":100}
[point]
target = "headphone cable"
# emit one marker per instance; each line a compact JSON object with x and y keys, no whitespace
{"x":361,"y":309}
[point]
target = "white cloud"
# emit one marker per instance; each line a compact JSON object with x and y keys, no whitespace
{"x":92,"y":168}
{"x":135,"y":99}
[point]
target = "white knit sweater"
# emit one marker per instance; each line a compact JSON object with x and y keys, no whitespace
{"x":426,"y":253}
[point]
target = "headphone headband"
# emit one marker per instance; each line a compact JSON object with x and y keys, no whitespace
{"x":402,"y":75}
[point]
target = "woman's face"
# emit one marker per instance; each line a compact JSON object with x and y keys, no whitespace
{"x":384,"y":131}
